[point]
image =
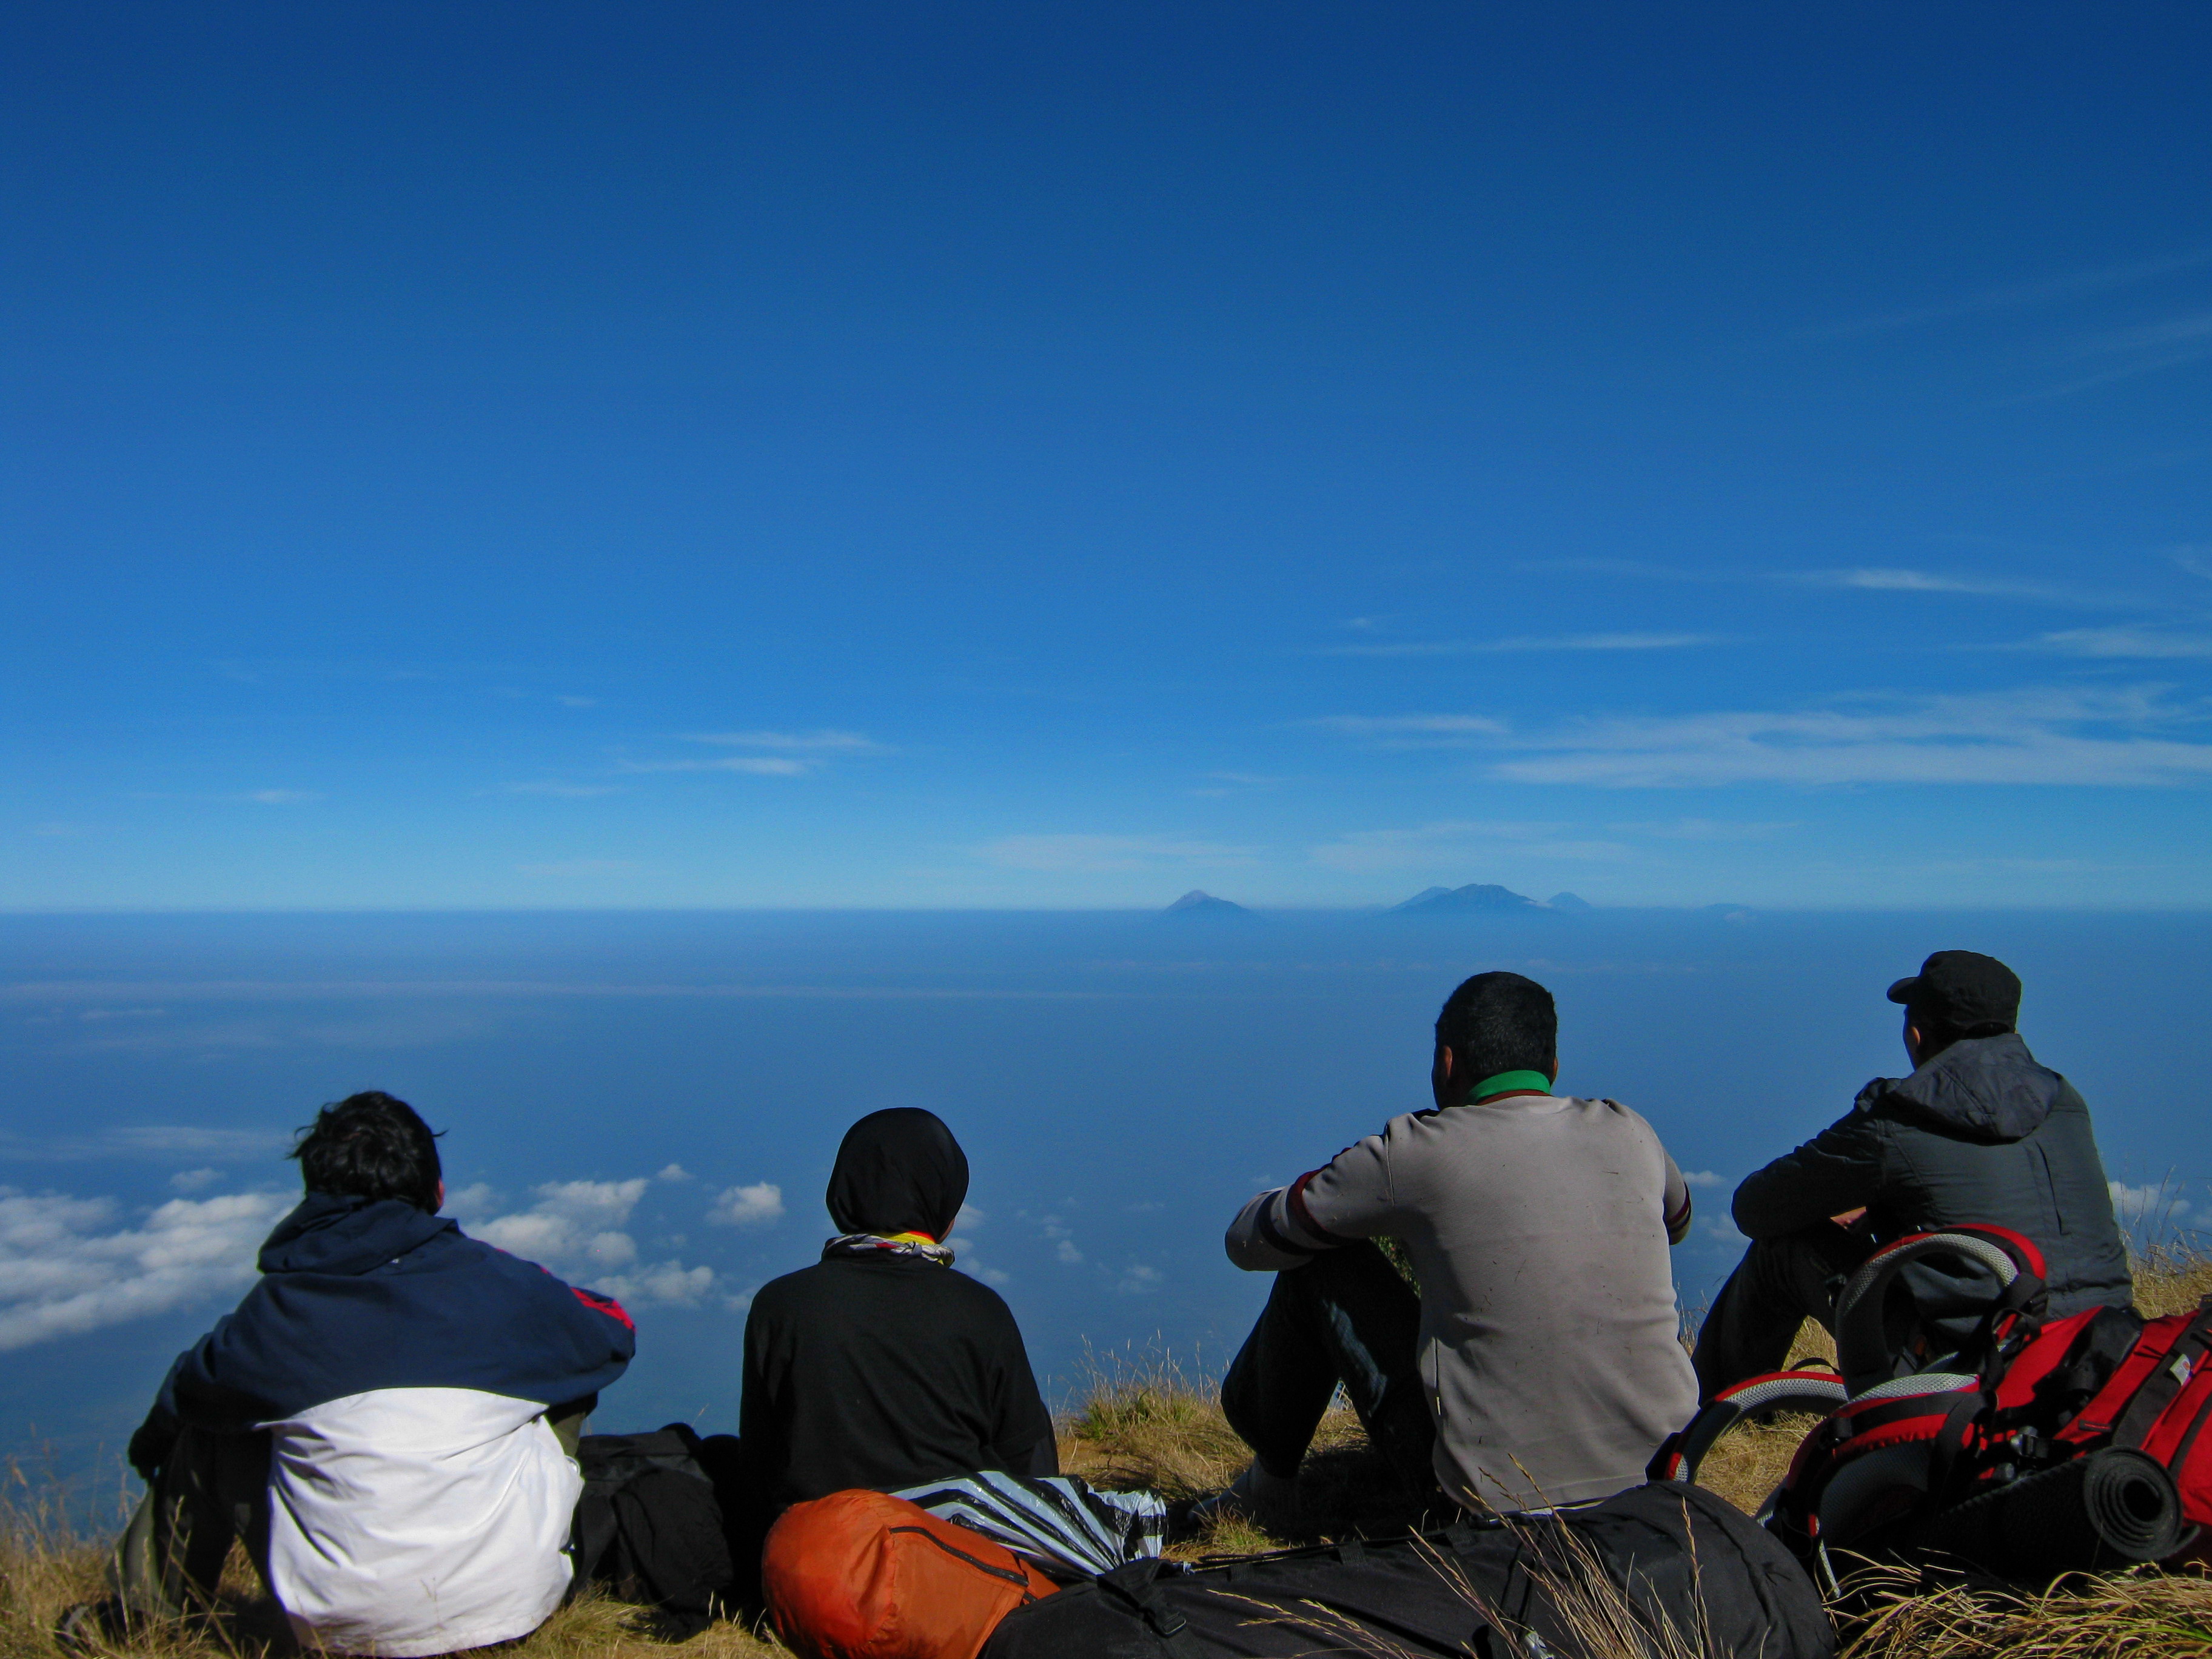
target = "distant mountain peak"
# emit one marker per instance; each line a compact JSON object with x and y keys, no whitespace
{"x":1574,"y":904}
{"x":1475,"y":896}
{"x":1201,"y":903}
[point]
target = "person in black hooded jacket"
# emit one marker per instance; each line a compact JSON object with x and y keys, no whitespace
{"x":879,"y":1366}
{"x":1979,"y":1132}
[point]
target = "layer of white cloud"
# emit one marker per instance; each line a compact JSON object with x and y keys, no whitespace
{"x":65,"y":1268}
{"x":1092,"y":853}
{"x":759,"y":1204}
{"x":575,"y":1229}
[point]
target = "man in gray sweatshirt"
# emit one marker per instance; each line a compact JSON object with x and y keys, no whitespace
{"x":1541,"y":1362}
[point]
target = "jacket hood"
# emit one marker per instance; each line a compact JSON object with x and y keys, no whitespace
{"x":345,"y":1233}
{"x":1985,"y":1088}
{"x":898,"y":1171}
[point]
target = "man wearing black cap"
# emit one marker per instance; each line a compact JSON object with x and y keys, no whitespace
{"x":1979,"y":1132}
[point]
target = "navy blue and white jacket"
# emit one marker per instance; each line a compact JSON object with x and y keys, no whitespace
{"x":418,"y":1502}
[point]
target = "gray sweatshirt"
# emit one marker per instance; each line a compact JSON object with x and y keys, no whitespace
{"x":1538,"y":1227}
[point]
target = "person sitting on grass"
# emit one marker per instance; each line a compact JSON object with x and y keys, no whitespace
{"x":879,"y":1366}
{"x":1541,"y":1362}
{"x":389,"y":1419}
{"x":1979,"y":1132}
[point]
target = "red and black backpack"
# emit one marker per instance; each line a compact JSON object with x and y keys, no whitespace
{"x":2033,"y":1446}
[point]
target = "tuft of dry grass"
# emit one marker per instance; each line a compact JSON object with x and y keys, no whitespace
{"x":1147,"y":1424}
{"x":48,"y":1562}
{"x":2142,"y":1615}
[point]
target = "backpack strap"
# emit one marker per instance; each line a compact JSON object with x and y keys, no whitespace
{"x":1680,"y":1455}
{"x":1862,"y":1306}
{"x":1136,"y":1584}
{"x":2172,"y":1376}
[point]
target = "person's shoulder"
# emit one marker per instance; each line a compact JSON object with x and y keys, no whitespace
{"x":789,"y":1288}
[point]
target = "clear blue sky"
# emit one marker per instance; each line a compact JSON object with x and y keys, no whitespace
{"x":470,"y":454}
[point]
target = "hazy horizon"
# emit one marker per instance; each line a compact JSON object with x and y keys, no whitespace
{"x":648,"y":1101}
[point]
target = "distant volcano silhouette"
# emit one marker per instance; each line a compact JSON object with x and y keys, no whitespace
{"x":1455,"y":901}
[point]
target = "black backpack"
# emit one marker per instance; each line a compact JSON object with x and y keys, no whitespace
{"x":648,"y":1527}
{"x":1673,"y":1555}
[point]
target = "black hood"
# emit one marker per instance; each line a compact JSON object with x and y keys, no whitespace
{"x":898,"y":1171}
{"x":345,"y":1233}
{"x":1983,"y":1088}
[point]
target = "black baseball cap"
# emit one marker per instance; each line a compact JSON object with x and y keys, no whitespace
{"x":1962,"y":989}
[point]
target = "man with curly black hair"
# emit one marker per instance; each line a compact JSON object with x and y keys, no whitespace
{"x":389,"y":1419}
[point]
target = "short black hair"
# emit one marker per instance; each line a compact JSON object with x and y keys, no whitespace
{"x":1498,"y":1022}
{"x":1937,"y":1034}
{"x":371,"y":1145}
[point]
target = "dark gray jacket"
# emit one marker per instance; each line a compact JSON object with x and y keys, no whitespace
{"x":1981,"y":1133}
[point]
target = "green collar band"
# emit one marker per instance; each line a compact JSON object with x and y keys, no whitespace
{"x":1507,"y":1083}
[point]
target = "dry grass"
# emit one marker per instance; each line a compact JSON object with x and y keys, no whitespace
{"x":48,"y":1562}
{"x":1147,"y":1424}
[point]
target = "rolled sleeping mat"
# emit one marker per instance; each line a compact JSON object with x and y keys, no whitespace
{"x":2110,"y":1508}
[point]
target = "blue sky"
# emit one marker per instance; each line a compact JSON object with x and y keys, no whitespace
{"x":1061,"y":455}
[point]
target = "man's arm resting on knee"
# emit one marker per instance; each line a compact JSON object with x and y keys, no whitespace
{"x":1840,"y":1169}
{"x":1347,"y":1199}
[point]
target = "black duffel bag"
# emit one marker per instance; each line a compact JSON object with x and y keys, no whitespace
{"x":649,"y":1529}
{"x":1657,"y":1557}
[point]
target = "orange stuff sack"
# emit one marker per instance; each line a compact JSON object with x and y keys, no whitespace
{"x":861,"y":1575}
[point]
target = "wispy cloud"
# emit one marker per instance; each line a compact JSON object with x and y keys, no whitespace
{"x":762,"y":766}
{"x":2148,"y":350}
{"x":572,"y":869}
{"x":840,"y":743}
{"x":155,"y":1143}
{"x":280,"y":797}
{"x":2143,"y":644}
{"x":1416,"y":730}
{"x":1362,"y":850}
{"x":564,"y":790}
{"x":1892,"y":579}
{"x":2020,"y":296}
{"x":2113,"y":739}
{"x":1100,"y":853}
{"x":1706,"y":830}
{"x":786,"y":754}
{"x":1530,"y":642}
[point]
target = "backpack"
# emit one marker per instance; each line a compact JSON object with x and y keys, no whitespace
{"x":862,"y":1575}
{"x":648,"y":1527}
{"x":1668,"y":1562}
{"x":2031,"y":1446}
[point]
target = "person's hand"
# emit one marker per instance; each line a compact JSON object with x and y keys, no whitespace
{"x":1850,"y":1219}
